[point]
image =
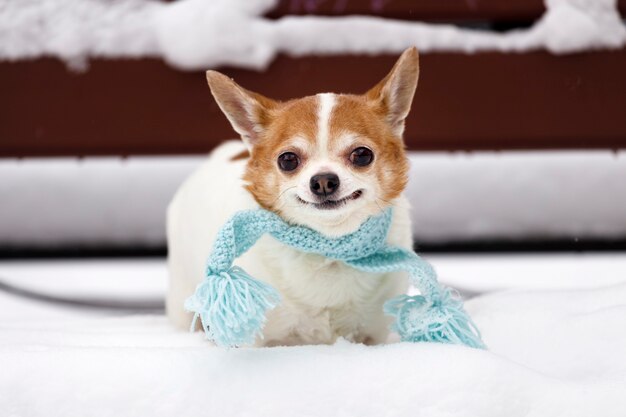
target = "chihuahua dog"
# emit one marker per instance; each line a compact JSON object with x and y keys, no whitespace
{"x":327,"y":162}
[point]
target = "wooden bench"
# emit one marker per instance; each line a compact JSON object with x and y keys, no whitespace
{"x":530,"y":100}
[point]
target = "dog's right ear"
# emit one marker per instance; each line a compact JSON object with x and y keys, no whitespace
{"x":394,"y":94}
{"x":248,"y":112}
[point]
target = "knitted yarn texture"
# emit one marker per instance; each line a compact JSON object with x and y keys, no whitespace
{"x":232,"y":305}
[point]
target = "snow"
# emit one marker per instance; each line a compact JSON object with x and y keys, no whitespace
{"x":127,"y":278}
{"x":504,"y":195}
{"x":77,"y":29}
{"x":513,"y":195}
{"x":579,"y":271}
{"x":198,"y":34}
{"x":552,"y":352}
{"x":106,"y":201}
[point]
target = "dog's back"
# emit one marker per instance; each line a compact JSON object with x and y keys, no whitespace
{"x":205,"y":201}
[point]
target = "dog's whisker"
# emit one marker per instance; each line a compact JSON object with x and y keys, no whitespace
{"x":379,"y":207}
{"x":392,"y":204}
{"x":283,"y":192}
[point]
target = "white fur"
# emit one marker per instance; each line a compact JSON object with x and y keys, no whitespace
{"x":321,"y":299}
{"x":326,"y":105}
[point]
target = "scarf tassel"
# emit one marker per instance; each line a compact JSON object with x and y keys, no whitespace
{"x":443,"y":320}
{"x":232,"y":306}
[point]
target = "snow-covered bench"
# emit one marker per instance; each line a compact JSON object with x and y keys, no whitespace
{"x":556,"y":84}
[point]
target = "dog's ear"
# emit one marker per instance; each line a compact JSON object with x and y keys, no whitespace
{"x":248,"y":112}
{"x":394,"y":94}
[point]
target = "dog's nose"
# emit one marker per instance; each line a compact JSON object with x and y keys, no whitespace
{"x":324,"y":184}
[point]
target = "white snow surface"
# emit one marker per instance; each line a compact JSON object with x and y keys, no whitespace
{"x":552,"y":352}
{"x":454,"y":196}
{"x":199,"y":34}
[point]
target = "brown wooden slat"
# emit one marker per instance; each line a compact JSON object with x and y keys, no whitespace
{"x":416,"y":9}
{"x":464,"y":102}
{"x":457,"y":10}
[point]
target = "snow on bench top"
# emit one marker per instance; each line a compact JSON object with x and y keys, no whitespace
{"x":199,"y":34}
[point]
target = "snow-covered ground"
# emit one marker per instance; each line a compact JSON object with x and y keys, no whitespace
{"x":199,"y":34}
{"x":556,"y":331}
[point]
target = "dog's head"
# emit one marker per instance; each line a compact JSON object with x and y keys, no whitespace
{"x":327,"y":161}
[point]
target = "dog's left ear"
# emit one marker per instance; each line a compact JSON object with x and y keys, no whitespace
{"x":248,"y":112}
{"x":394,"y":94}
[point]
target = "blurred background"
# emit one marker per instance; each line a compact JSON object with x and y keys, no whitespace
{"x":516,"y":135}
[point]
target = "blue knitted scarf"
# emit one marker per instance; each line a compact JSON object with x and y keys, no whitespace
{"x":232,"y":305}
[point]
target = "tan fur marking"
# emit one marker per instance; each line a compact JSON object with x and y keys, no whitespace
{"x":359,"y":115}
{"x":295,"y":118}
{"x":245,"y":154}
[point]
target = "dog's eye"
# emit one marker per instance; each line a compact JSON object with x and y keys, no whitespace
{"x":288,"y":161}
{"x":362,"y":156}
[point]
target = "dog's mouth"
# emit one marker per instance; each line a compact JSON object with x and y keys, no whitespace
{"x":329,"y":204}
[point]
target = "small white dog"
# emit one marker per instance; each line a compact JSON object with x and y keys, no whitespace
{"x":327,"y":162}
